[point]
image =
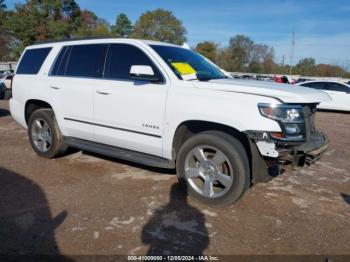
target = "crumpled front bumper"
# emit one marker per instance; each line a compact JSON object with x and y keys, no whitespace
{"x":299,"y":153}
{"x":268,"y":154}
{"x":308,"y":152}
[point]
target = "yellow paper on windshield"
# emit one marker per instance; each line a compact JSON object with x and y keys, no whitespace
{"x":184,"y":68}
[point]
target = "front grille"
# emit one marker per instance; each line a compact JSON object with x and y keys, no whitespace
{"x":309,"y":115}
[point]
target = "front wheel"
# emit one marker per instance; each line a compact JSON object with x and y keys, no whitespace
{"x":214,"y":168}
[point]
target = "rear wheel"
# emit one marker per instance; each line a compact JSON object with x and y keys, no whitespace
{"x":44,"y":135}
{"x":213,"y":167}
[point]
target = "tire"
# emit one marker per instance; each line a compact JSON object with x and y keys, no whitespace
{"x":44,"y":135}
{"x":208,"y":181}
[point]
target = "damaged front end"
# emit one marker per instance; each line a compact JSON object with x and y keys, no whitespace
{"x":298,"y":143}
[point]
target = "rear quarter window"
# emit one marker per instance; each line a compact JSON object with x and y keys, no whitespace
{"x":32,"y":61}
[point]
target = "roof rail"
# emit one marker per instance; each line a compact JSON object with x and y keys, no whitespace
{"x":73,"y":39}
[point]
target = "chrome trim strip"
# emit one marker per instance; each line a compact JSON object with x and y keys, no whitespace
{"x":112,"y":127}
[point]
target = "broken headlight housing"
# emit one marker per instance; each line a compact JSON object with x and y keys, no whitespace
{"x":290,"y":118}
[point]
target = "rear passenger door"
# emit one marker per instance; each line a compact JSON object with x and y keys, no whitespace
{"x":129,"y":113}
{"x":74,"y":77}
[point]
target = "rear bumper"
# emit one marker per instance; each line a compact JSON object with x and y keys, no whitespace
{"x":17,"y":112}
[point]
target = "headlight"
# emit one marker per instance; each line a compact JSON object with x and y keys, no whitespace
{"x":290,"y":119}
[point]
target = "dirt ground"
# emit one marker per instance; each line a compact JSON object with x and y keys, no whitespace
{"x":87,"y":204}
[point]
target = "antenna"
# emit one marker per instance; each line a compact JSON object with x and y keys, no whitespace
{"x":291,"y":55}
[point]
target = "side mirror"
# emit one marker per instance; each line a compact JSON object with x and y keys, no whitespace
{"x":143,"y":72}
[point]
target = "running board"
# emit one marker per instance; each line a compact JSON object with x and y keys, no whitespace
{"x":120,"y":153}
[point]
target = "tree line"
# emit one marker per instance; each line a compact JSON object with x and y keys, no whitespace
{"x":40,"y":20}
{"x":243,"y":55}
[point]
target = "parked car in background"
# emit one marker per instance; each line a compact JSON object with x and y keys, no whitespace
{"x":282,"y":80}
{"x":7,"y":83}
{"x":339,"y":92}
{"x":7,"y":80}
{"x":301,"y":80}
{"x":4,"y":73}
{"x":249,"y":77}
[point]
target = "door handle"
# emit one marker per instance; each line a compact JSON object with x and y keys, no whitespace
{"x":55,"y":87}
{"x":102,"y":92}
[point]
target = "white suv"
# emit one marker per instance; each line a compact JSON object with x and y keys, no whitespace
{"x":162,"y":105}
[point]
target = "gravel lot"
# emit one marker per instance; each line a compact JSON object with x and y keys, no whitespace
{"x":88,"y":204}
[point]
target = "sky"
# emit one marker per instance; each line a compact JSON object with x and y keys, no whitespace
{"x":322,"y":28}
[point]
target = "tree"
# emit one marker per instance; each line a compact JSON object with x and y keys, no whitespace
{"x":37,"y":20}
{"x":331,"y":70}
{"x":269,"y":66}
{"x":208,"y":49}
{"x":90,"y":25}
{"x":2,"y":5}
{"x":260,"y":57}
{"x":236,"y":56}
{"x":306,"y":67}
{"x":160,"y":25}
{"x":3,"y":38}
{"x":122,"y":27}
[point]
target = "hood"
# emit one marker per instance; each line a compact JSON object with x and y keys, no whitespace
{"x":284,"y":92}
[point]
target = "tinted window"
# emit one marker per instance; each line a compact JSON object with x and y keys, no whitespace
{"x":337,"y":87}
{"x":32,"y":61}
{"x":61,"y":62}
{"x":316,"y":85}
{"x":86,"y":60}
{"x":120,"y":59}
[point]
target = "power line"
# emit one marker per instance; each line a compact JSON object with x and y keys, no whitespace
{"x":291,"y":55}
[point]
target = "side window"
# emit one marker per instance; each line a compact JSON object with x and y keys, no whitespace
{"x":317,"y":85}
{"x":306,"y":84}
{"x":120,"y":59}
{"x":59,"y":67}
{"x":338,"y":87}
{"x":32,"y":61}
{"x":86,"y":60}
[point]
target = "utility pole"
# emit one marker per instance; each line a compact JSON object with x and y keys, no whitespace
{"x":291,"y":55}
{"x":282,"y":61}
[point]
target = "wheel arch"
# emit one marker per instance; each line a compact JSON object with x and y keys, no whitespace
{"x":33,"y":105}
{"x":188,"y":128}
{"x":257,"y":165}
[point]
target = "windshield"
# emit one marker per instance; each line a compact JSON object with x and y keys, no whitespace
{"x":174,"y":56}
